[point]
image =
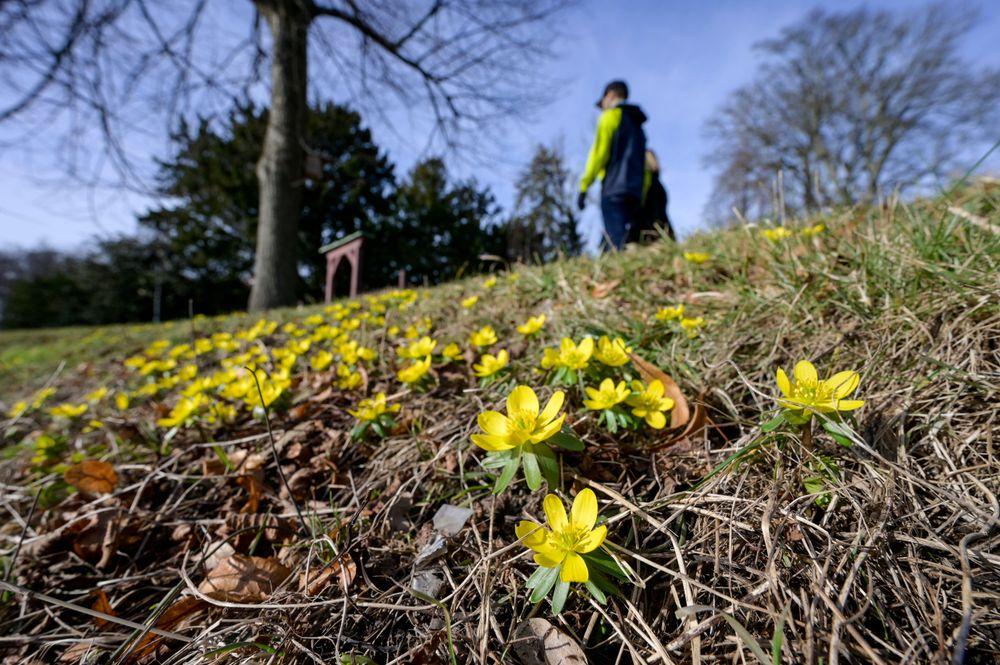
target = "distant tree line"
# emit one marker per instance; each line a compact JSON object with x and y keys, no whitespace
{"x":195,"y":252}
{"x":848,"y":106}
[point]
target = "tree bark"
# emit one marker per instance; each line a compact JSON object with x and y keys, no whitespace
{"x":279,"y":170}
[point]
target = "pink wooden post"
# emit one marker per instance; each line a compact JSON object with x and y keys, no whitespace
{"x":348,"y":247}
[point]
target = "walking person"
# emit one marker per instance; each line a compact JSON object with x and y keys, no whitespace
{"x":617,"y":158}
{"x":654,"y":218}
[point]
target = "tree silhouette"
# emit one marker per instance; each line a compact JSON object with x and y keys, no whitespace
{"x":848,"y":106}
{"x":112,"y":68}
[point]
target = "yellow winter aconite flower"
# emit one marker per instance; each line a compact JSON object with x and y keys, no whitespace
{"x":271,"y":387}
{"x":469,"y":302}
{"x":612,"y":353}
{"x":41,"y":396}
{"x":697,"y":257}
{"x":320,"y":360}
{"x":489,"y":365}
{"x":813,"y":230}
{"x":451,"y":351}
{"x":424,"y":346}
{"x":96,"y":395}
{"x":415,"y":371}
{"x":490,"y":282}
{"x":808,"y":394}
{"x":17,"y":409}
{"x":670,"y":313}
{"x":121,"y":401}
{"x":647,"y":402}
{"x":185,"y":409}
{"x":575,"y":356}
{"x":561,"y":545}
{"x":485,"y":336}
{"x":524,"y":423}
{"x":347,"y":379}
{"x":777,"y":233}
{"x":532,"y":325}
{"x":607,"y":396}
{"x":67,"y":410}
{"x":691,"y":326}
{"x":369,"y":410}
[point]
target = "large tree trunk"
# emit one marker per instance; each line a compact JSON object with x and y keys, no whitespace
{"x":279,"y":170}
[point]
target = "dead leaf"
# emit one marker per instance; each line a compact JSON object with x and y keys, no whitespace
{"x":300,"y":411}
{"x":538,"y":642}
{"x":244,"y":579}
{"x":253,"y":483}
{"x":96,"y":538}
{"x":698,"y":422}
{"x":680,"y":414}
{"x":102,"y":604}
{"x":176,"y":616}
{"x":343,"y":569}
{"x":603,"y":289}
{"x":248,"y":527}
{"x":78,"y":652}
{"x":92,"y":477}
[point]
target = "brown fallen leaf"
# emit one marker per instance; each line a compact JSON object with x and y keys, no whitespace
{"x":342,"y":569}
{"x":249,"y":527}
{"x":79,"y":652}
{"x":244,"y":579}
{"x":699,"y":421}
{"x":538,"y":642}
{"x":92,"y":477}
{"x":96,"y":538}
{"x":603,"y":289}
{"x":253,"y":483}
{"x":300,"y":411}
{"x":102,"y":604}
{"x":680,"y":414}
{"x":176,"y":616}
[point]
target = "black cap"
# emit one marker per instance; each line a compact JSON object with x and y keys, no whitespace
{"x":618,"y":87}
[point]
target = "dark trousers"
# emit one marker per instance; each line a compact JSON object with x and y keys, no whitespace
{"x":621,"y":212}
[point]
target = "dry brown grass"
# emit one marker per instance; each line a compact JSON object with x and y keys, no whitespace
{"x":902,"y":565}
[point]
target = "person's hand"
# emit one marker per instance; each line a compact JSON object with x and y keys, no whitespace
{"x":581,"y":200}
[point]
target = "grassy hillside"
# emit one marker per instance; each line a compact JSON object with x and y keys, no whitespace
{"x":869,"y":536}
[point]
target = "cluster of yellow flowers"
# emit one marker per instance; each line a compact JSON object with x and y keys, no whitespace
{"x":218,"y":378}
{"x":779,"y":233}
{"x":689,"y":325}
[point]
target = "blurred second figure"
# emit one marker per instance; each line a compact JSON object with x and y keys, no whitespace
{"x":654,"y":221}
{"x":618,"y":158}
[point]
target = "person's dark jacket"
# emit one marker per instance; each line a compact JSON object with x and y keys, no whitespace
{"x":618,"y":154}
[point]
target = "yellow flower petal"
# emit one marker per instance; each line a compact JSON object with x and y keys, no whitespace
{"x":523,"y":398}
{"x":494,"y":422}
{"x":849,"y":404}
{"x":586,"y":346}
{"x":805,"y":372}
{"x":574,"y":569}
{"x":555,"y":512}
{"x":655,"y":388}
{"x":548,"y":559}
{"x":784,"y":385}
{"x":531,"y":534}
{"x":592,"y":540}
{"x":552,"y":408}
{"x":491,"y":442}
{"x":656,"y":419}
{"x":549,"y":430}
{"x":583,"y":514}
{"x":843,"y":384}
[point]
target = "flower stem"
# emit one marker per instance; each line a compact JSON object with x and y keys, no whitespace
{"x":807,"y":435}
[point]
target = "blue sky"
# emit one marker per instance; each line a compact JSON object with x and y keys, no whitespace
{"x":681,"y":58}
